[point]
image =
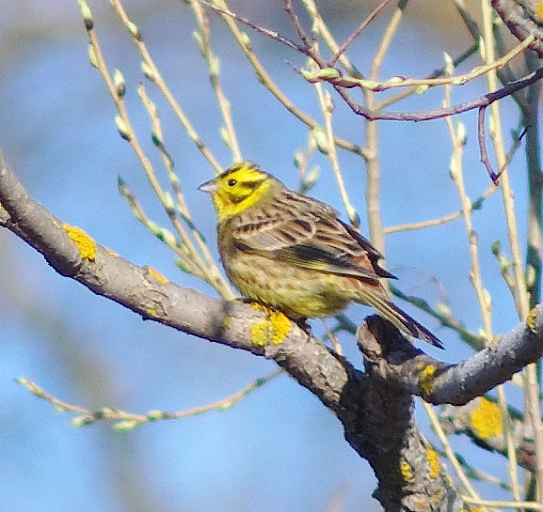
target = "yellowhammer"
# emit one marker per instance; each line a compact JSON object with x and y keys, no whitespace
{"x":292,"y":253}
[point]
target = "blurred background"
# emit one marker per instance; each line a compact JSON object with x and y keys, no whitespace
{"x":279,"y":449}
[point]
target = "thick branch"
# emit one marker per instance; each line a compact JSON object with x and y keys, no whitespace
{"x":383,"y":430}
{"x":397,"y":360}
{"x":145,"y":292}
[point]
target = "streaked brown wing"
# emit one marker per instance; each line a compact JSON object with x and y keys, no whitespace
{"x":307,"y":233}
{"x":273,"y":233}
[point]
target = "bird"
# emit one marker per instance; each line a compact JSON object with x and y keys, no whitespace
{"x":294,"y":254}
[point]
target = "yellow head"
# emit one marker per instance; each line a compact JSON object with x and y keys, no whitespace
{"x":238,"y":188}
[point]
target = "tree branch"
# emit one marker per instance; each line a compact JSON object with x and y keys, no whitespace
{"x":394,"y":359}
{"x":72,"y":253}
{"x":522,"y":18}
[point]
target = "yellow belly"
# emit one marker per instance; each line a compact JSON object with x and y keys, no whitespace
{"x":299,"y":292}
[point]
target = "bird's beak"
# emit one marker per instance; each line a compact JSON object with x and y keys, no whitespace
{"x":209,"y":186}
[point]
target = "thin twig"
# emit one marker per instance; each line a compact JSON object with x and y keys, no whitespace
{"x":352,"y":37}
{"x":325,"y":103}
{"x":435,"y":74}
{"x":153,"y":74}
{"x":425,"y":115}
{"x":482,"y":146}
{"x":307,"y":43}
{"x":244,"y":43}
{"x":457,"y":467}
{"x":127,"y":421}
{"x":321,"y":28}
{"x":475,"y":205}
{"x":225,"y":11}
{"x":229,"y":135}
{"x":206,"y":265}
{"x":533,"y":413}
{"x":373,"y":183}
{"x":503,"y":504}
{"x":401,"y":82}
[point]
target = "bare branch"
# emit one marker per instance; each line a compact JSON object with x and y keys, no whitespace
{"x":522,"y":20}
{"x":349,"y":41}
{"x":485,"y":160}
{"x":482,"y":101}
{"x":397,"y":360}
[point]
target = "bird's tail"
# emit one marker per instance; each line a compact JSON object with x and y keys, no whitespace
{"x":399,"y":318}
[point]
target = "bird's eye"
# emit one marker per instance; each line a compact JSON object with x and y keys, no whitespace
{"x":232,"y":182}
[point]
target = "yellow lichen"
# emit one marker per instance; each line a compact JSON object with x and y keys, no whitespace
{"x":433,"y":462}
{"x":150,"y":311}
{"x":154,"y":310}
{"x":157,"y":275}
{"x":271,"y":330}
{"x":260,"y":333}
{"x":539,"y":11}
{"x":112,"y":253}
{"x":407,"y":471}
{"x":227,"y":322}
{"x":531,"y":320}
{"x":85,"y":244}
{"x":486,"y":419}
{"x":426,"y":379}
